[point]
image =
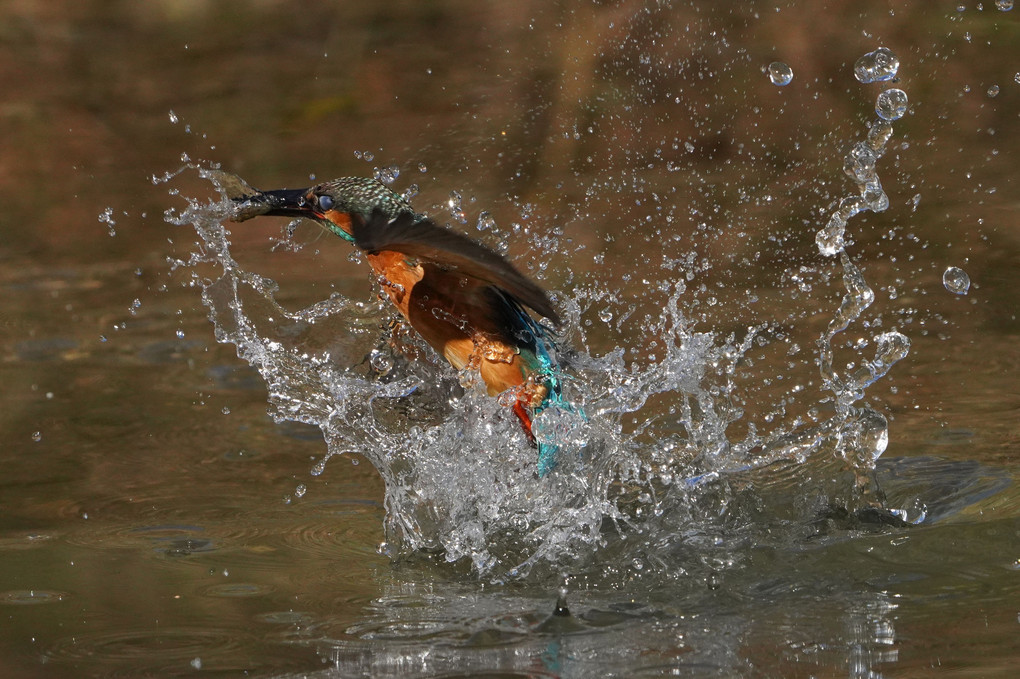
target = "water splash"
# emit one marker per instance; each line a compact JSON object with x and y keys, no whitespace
{"x":665,"y":454}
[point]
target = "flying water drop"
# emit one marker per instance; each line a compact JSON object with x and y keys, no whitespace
{"x":387,"y":175}
{"x":485,"y":221}
{"x":780,"y":73}
{"x":867,"y":437}
{"x":859,"y":163}
{"x":830,"y":238}
{"x":891,"y":104}
{"x":106,"y":217}
{"x":876,"y":66}
{"x":956,"y":280}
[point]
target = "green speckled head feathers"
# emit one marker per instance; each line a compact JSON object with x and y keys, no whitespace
{"x":362,"y":196}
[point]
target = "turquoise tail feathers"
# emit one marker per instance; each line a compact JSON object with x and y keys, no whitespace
{"x":548,"y":453}
{"x":535,"y":337}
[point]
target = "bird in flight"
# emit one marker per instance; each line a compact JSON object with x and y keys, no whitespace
{"x":466,"y":301}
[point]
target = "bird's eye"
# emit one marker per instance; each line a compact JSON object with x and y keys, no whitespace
{"x":325,"y":203}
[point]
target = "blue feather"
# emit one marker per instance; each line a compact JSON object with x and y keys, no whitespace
{"x":534,"y":339}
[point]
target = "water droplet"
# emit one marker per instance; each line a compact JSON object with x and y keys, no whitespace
{"x":180,"y":334}
{"x":173,"y":117}
{"x":891,"y":104}
{"x":382,"y":363}
{"x":106,"y":217}
{"x":956,"y":280}
{"x":878,"y":136}
{"x":830,"y":239}
{"x":422,"y":168}
{"x":780,"y":73}
{"x":300,"y":490}
{"x":993,"y":91}
{"x":850,"y":206}
{"x":497,"y":352}
{"x":387,"y":175}
{"x":455,"y":203}
{"x":520,"y":522}
{"x":606,"y":315}
{"x":876,"y":66}
{"x":1004,"y":5}
{"x":467,"y":378}
{"x":874,"y":197}
{"x":860,"y":162}
{"x":196,"y":663}
{"x":485,"y":221}
{"x":225,"y":410}
{"x":556,"y":426}
{"x":892,"y":347}
{"x":37,"y":436}
{"x":868,"y":437}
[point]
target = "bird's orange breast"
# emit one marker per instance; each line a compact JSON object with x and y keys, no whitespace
{"x":451,"y":312}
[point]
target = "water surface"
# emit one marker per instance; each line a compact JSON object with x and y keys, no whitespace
{"x":735,"y":511}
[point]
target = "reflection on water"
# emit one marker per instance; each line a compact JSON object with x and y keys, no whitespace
{"x":720,"y":512}
{"x":613,"y":640}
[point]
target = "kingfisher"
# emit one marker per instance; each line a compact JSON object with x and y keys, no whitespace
{"x":465,"y":300}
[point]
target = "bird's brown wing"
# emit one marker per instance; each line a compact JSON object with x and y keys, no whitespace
{"x":422,"y":238}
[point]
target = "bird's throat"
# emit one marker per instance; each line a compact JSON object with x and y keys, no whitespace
{"x":339,"y":223}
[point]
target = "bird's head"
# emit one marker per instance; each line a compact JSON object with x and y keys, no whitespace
{"x":332,"y":204}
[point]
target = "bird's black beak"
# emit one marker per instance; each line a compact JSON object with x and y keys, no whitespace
{"x":279,"y":203}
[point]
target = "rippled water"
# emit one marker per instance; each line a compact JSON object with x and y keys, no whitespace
{"x":781,"y":240}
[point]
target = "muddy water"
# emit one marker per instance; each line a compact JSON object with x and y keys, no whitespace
{"x":155,"y":520}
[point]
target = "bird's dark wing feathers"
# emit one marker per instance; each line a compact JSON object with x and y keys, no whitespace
{"x":422,"y":238}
